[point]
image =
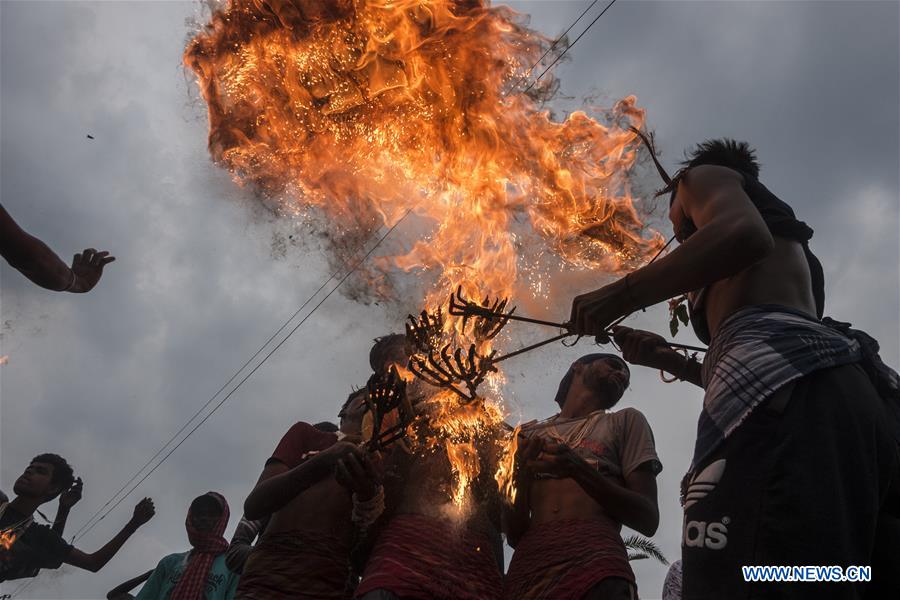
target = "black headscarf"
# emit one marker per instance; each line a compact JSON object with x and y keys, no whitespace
{"x":587,"y":359}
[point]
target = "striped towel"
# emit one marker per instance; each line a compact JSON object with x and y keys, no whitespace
{"x":755,"y":352}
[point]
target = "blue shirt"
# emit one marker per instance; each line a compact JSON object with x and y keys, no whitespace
{"x":220,"y":585}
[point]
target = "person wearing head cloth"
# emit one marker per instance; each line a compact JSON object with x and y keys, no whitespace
{"x":581,"y":475}
{"x":200,"y":573}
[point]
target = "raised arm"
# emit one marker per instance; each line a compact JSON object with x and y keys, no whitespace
{"x":278,"y":484}
{"x":730,"y":236}
{"x":95,"y":561}
{"x":36,"y":261}
{"x":67,"y":500}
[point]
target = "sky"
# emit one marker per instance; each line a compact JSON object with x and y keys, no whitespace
{"x":203,"y":276}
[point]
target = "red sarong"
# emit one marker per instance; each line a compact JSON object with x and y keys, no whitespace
{"x":422,"y":558}
{"x":563,"y":560}
{"x":296,"y":565}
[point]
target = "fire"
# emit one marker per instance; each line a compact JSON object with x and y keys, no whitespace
{"x":506,"y":467}
{"x":7,"y":539}
{"x":356,"y":111}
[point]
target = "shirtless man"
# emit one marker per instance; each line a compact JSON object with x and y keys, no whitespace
{"x":419,"y":549}
{"x":304,"y":551}
{"x":796,"y":459}
{"x":582,"y":474}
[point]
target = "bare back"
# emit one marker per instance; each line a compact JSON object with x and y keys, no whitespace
{"x":732,"y":252}
{"x":782,"y":278}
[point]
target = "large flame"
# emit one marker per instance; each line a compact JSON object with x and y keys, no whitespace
{"x":361,"y":110}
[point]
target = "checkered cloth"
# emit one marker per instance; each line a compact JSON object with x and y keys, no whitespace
{"x":206,"y":546}
{"x":760,"y":349}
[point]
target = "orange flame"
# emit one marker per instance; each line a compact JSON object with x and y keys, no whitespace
{"x":506,"y":465}
{"x":7,"y":539}
{"x":359,"y":110}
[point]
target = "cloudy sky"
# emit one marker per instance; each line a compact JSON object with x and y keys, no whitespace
{"x":200,"y":280}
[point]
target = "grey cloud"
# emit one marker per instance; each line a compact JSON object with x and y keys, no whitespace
{"x":105,"y":378}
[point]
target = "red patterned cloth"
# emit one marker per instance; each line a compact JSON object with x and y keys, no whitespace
{"x":206,"y":546}
{"x":296,"y":565}
{"x":563,"y":560}
{"x":422,"y":558}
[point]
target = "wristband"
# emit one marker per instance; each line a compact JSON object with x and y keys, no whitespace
{"x":684,"y":371}
{"x":367,"y":512}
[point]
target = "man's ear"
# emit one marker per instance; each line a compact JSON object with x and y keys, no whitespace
{"x":53,"y":493}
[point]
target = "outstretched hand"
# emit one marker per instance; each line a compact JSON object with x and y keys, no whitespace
{"x":87,"y":266}
{"x":71,"y":496}
{"x":143,"y":512}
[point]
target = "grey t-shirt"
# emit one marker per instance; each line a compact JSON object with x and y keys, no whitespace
{"x":616,"y":443}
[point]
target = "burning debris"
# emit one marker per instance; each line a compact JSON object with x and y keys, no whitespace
{"x":7,"y":539}
{"x":357,"y":111}
{"x":352,"y":113}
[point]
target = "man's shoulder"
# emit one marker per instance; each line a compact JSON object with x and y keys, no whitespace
{"x":629,"y":417}
{"x":301,"y":439}
{"x":173,"y":561}
{"x":301,"y":430}
{"x":704,"y":174}
{"x":44,"y":533}
{"x":629,"y":412}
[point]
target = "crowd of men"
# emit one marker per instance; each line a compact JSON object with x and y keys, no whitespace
{"x":796,"y":458}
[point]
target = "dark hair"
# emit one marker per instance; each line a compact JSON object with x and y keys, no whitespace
{"x":206,"y":504}
{"x":724,"y":152}
{"x":327,"y":427}
{"x":62,"y":476}
{"x":347,"y":402}
{"x":382,"y":346}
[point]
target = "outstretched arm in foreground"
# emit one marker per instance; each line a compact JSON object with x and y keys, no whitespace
{"x":93,"y":562}
{"x":651,"y":350}
{"x":730,"y":236}
{"x":36,"y":261}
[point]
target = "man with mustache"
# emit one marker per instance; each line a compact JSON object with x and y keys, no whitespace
{"x":581,"y":475}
